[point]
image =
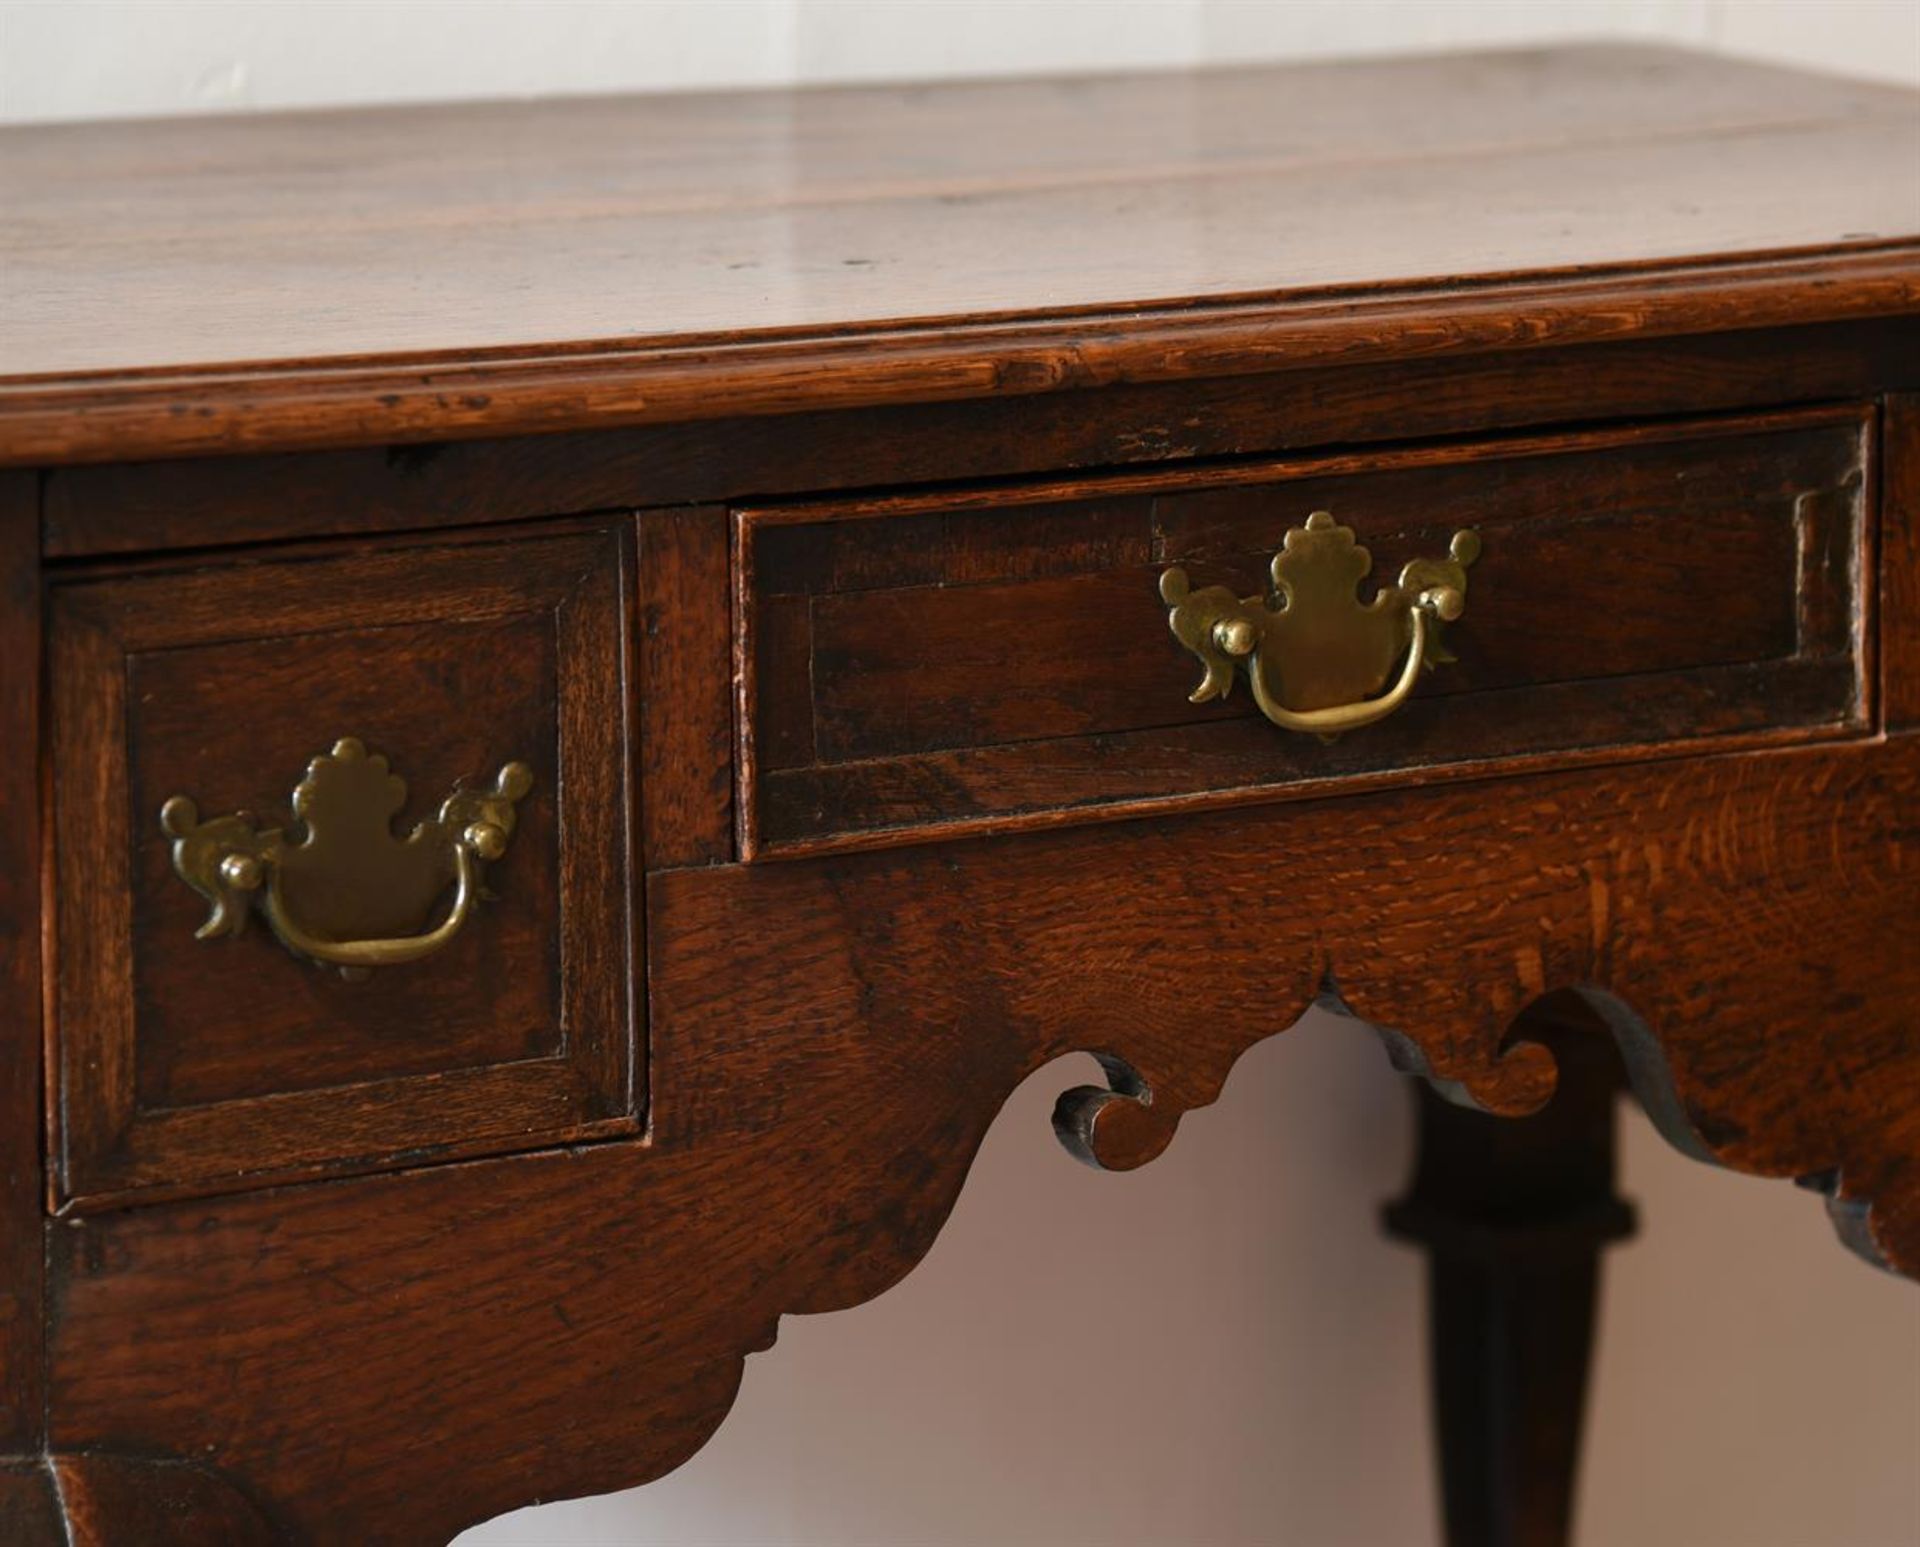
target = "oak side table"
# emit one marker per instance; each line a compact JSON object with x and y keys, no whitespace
{"x":587,"y":686}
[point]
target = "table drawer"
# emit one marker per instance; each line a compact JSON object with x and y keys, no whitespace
{"x":364,"y":993}
{"x":1002,"y":658}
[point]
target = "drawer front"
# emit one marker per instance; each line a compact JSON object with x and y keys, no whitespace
{"x":359,"y":997}
{"x":1003,"y":659}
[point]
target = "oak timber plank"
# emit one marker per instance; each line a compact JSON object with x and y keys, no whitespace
{"x":542,"y":265}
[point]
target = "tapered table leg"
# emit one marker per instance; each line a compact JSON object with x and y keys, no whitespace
{"x":1514,"y":1215}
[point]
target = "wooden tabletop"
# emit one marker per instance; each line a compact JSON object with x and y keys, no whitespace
{"x":633,"y":258}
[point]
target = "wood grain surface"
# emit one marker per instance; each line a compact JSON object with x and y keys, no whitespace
{"x":686,"y":654}
{"x":1900,"y":559}
{"x":999,"y":657}
{"x":140,"y":506}
{"x":321,"y":278}
{"x":818,"y":1103}
{"x":22,"y":1131}
{"x":207,"y":1064}
{"x":854,"y":380}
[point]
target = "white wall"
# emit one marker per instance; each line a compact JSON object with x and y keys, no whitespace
{"x":87,"y":58}
{"x":1220,"y":1349}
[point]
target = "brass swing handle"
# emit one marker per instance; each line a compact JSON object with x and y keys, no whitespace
{"x":1314,"y":654}
{"x":362,"y":892}
{"x":362,"y":953}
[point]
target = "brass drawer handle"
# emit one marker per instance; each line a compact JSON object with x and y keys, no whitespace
{"x":1313,"y":652}
{"x":356,"y":881}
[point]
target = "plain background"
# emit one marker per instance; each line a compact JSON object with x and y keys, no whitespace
{"x":1220,"y":1349}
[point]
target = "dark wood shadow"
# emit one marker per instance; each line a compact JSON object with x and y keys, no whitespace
{"x":1514,"y":1214}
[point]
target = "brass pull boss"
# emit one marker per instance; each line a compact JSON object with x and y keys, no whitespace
{"x":360,"y":893}
{"x":1314,"y":654}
